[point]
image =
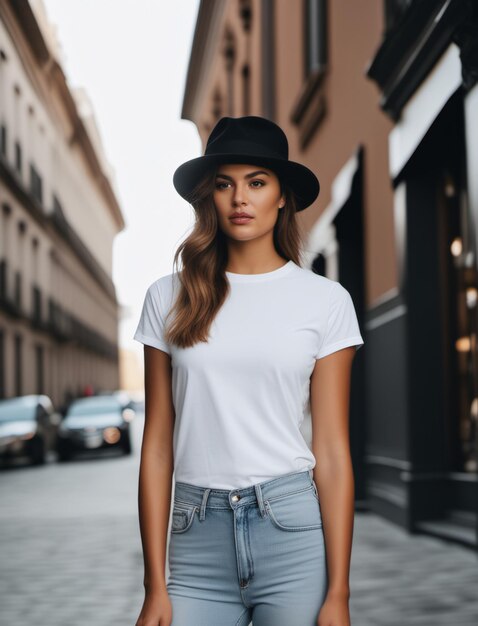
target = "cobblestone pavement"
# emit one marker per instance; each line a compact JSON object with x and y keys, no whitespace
{"x":70,"y":554}
{"x":399,"y":579}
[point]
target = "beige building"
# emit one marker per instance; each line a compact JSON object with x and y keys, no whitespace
{"x":380,"y":99}
{"x":59,"y":215}
{"x":131,"y":371}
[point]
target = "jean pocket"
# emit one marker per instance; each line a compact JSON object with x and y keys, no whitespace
{"x":295,"y":511}
{"x":183,"y":516}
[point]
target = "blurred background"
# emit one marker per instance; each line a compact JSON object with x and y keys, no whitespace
{"x":100,"y":101}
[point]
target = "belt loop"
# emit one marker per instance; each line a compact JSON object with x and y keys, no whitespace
{"x":202,"y":512}
{"x":259,"y":500}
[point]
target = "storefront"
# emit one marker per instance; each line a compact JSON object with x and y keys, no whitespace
{"x":431,"y":323}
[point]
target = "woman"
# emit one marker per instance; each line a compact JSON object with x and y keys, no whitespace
{"x":239,"y":346}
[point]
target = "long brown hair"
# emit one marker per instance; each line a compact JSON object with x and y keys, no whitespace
{"x":204,"y":256}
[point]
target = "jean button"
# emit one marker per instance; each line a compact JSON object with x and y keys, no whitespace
{"x":236,"y":497}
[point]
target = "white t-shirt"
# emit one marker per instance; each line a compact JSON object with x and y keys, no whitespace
{"x":241,"y":398}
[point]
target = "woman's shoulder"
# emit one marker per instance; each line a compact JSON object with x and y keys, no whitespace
{"x":318,"y":283}
{"x":165,"y":281}
{"x":163,"y":288}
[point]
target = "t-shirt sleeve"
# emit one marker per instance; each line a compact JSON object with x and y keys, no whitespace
{"x":342,"y":324}
{"x":150,"y":330}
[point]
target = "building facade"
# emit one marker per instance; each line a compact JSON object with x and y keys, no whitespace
{"x":379,"y":99}
{"x":59,"y":215}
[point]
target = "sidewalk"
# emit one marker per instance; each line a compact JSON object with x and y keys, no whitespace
{"x":399,"y":579}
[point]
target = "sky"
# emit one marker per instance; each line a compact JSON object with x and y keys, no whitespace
{"x":131,"y":56}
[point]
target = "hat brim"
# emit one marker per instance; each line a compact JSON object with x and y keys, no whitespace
{"x":303,"y":182}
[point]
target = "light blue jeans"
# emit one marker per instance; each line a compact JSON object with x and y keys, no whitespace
{"x":256,"y":553}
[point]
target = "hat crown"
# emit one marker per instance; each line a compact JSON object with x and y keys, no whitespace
{"x":248,"y":134}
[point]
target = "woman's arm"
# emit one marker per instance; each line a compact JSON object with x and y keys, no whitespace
{"x":156,"y":467}
{"x":333,"y":473}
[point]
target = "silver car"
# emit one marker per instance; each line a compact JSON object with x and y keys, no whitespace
{"x":28,"y":427}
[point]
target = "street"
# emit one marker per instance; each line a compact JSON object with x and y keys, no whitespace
{"x":71,"y":554}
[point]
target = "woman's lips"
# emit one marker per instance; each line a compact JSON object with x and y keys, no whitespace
{"x":241,"y":220}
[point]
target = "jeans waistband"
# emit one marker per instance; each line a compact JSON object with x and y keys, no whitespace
{"x":205,"y":497}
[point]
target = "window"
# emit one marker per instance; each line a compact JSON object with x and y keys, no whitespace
{"x":18,"y":290}
{"x":310,"y":107}
{"x":39,"y":359}
{"x":18,"y":386}
{"x":245,"y":13}
{"x":229,"y":52}
{"x":3,"y":279}
{"x":315,"y":39}
{"x":2,"y":363}
{"x":18,"y":157}
{"x":36,"y":184}
{"x":246,"y":90}
{"x":3,"y":141}
{"x":268,"y":71}
{"x":37,"y":306}
{"x":217,"y":104}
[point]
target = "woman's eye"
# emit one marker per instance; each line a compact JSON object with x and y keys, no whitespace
{"x":256,"y":183}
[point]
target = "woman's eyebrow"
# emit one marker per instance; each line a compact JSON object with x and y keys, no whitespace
{"x":246,"y":176}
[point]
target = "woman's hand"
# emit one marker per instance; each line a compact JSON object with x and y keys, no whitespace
{"x":157,"y":610}
{"x":334,"y":611}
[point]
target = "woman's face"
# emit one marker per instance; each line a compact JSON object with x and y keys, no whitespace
{"x":251,"y":189}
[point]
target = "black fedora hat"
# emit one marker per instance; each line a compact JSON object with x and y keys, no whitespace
{"x":249,"y":139}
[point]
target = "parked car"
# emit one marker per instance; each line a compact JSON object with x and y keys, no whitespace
{"x":94,"y":422}
{"x":129,"y":399}
{"x":137,"y":402}
{"x":28,"y":427}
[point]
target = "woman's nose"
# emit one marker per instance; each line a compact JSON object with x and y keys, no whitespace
{"x":239,"y":195}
